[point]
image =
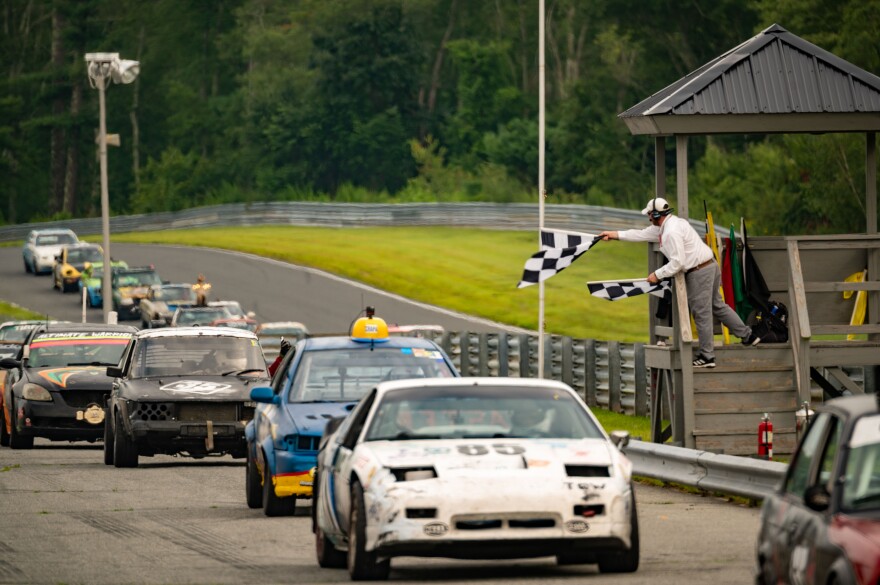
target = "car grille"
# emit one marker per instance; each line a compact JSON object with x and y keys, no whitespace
{"x":518,"y":521}
{"x":82,"y":398}
{"x":154,"y":411}
{"x":587,"y":471}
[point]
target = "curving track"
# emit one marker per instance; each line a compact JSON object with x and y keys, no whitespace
{"x":275,"y":291}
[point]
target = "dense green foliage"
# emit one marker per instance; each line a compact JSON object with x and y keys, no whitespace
{"x":401,"y":100}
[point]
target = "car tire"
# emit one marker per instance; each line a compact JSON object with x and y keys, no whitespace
{"x":109,"y":441}
{"x":625,"y":561}
{"x":16,"y":441}
{"x":272,"y":504}
{"x":4,"y":434}
{"x":124,"y":449}
{"x":34,"y":270}
{"x":27,"y":267}
{"x":253,"y":484}
{"x":362,"y":565}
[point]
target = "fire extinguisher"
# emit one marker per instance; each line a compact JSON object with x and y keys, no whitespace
{"x":765,"y":438}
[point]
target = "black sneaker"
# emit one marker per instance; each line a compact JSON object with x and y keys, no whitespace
{"x":702,"y":361}
{"x":752,"y":339}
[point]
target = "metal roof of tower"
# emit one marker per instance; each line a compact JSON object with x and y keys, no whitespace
{"x":773,"y":82}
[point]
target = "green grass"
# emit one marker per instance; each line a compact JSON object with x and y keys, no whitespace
{"x":468,"y":270}
{"x":13,"y":312}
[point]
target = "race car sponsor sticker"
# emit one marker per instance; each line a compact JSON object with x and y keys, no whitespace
{"x":422,"y":353}
{"x":60,"y":376}
{"x":200,"y":387}
{"x":81,"y":337}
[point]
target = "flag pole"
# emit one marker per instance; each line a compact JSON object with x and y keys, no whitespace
{"x":541,"y":191}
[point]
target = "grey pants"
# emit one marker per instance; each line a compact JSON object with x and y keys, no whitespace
{"x":705,"y":301}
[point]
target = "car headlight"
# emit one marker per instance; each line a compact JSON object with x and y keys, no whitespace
{"x":126,"y":301}
{"x":35,"y":392}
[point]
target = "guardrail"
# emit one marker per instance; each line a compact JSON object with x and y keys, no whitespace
{"x":729,"y":474}
{"x":508,"y":216}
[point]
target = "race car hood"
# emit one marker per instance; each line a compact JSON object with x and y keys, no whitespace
{"x":186,"y":388}
{"x":135,"y":292}
{"x":494,"y":457}
{"x":311,"y":417}
{"x":71,"y":378}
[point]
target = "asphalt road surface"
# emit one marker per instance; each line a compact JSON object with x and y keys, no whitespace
{"x":68,"y":518}
{"x":274,"y":290}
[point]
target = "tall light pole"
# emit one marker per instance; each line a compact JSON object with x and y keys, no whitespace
{"x":102,"y":68}
{"x":541,"y":189}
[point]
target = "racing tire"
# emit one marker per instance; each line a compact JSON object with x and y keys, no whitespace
{"x":272,"y":504}
{"x":253,"y":488}
{"x":4,"y":434}
{"x":624,"y":561}
{"x":329,"y":557}
{"x":362,"y":565}
{"x":124,"y":449}
{"x":34,"y":269}
{"x":27,"y":267}
{"x":108,"y":442}
{"x":16,"y":441}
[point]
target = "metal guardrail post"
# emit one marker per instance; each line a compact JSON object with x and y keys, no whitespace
{"x":483,"y":362}
{"x":590,"y":372}
{"x":464,"y":339}
{"x":567,"y":360}
{"x":614,"y":402}
{"x":503,"y":363}
{"x":524,"y":368}
{"x":640,"y":372}
{"x":548,"y":362}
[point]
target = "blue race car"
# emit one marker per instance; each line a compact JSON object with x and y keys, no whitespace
{"x":92,"y":280}
{"x":320,"y":379}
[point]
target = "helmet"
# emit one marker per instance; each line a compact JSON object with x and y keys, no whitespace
{"x":527,"y":415}
{"x":657,"y":208}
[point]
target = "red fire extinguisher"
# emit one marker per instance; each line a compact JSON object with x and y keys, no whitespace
{"x":765,"y":438}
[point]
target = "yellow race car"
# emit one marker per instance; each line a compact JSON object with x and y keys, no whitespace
{"x":70,"y":263}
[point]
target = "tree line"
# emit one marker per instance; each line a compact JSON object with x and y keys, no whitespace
{"x":402,"y":100}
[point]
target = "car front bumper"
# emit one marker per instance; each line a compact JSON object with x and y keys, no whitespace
{"x":294,"y":474}
{"x":58,"y":421}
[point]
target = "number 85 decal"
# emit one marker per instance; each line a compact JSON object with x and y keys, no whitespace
{"x":501,"y":449}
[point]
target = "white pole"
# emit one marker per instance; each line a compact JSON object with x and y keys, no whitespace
{"x":85,"y":292}
{"x":541,"y":190}
{"x":106,"y":290}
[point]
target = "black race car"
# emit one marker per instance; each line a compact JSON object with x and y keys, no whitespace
{"x":184,"y":390}
{"x":56,"y":385}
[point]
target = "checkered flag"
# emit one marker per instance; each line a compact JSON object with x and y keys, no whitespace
{"x":558,"y":250}
{"x":614,"y":290}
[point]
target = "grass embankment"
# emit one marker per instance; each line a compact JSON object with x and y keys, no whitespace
{"x":468,"y":270}
{"x":13,"y":312}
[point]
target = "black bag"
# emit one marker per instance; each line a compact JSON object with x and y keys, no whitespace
{"x":771,"y":325}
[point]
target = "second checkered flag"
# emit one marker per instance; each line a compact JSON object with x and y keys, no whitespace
{"x":614,"y":290}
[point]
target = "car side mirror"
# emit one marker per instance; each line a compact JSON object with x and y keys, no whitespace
{"x":9,"y":363}
{"x":114,"y":371}
{"x":620,"y":438}
{"x":817,"y":498}
{"x":265,"y":395}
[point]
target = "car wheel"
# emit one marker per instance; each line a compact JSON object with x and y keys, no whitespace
{"x":272,"y":504}
{"x":34,"y":268}
{"x":16,"y":441}
{"x":362,"y":565}
{"x":108,"y":442}
{"x":4,"y":434}
{"x":625,"y":561}
{"x":124,"y":450}
{"x":253,"y":488}
{"x":27,"y":267}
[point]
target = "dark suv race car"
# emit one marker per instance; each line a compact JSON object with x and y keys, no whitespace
{"x":56,"y":385}
{"x":183,"y":390}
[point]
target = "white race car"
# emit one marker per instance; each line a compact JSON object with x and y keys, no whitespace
{"x":473,"y":468}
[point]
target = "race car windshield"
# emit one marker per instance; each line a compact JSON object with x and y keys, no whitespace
{"x":861,"y":486}
{"x":234,"y":310}
{"x":77,"y":349}
{"x":55,"y":240}
{"x":80,"y":255}
{"x":201,"y":317}
{"x":480,"y":412}
{"x":15,"y":333}
{"x":176,"y":294}
{"x":348,"y":374}
{"x":138,"y":279}
{"x":197,"y":355}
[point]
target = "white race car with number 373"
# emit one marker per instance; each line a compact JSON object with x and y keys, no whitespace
{"x":473,"y":468}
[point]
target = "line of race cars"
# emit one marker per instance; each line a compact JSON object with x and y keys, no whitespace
{"x":399,"y":455}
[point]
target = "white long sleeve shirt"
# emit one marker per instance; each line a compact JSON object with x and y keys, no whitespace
{"x":679,"y":242}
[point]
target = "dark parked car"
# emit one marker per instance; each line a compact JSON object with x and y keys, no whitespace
{"x":55,"y":386}
{"x":183,"y":390}
{"x":822,"y":525}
